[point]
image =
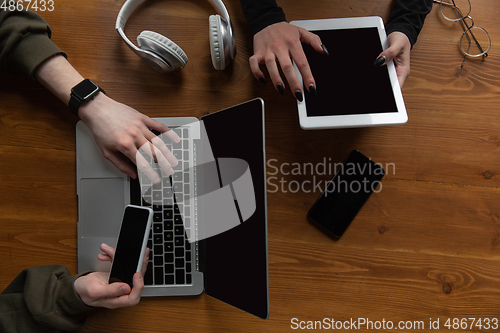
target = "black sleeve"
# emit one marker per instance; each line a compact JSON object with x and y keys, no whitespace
{"x":407,"y":16}
{"x":261,"y":13}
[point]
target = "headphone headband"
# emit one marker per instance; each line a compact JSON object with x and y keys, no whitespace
{"x":130,"y":5}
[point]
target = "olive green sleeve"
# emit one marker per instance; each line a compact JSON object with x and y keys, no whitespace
{"x":41,"y":299}
{"x":24,"y":42}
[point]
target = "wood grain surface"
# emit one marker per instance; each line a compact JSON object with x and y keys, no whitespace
{"x":426,"y":247}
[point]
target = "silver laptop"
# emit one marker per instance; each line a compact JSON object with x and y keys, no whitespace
{"x":210,"y":220}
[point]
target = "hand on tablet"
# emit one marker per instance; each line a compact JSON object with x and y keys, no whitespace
{"x":280,"y":43}
{"x":399,"y":51}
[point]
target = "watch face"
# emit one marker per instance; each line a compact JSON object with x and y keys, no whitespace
{"x":85,"y":89}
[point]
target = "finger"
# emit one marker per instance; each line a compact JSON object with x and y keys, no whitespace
{"x":254,"y":62}
{"x":272,"y":69}
{"x":386,"y":56}
{"x":104,"y":257}
{"x":137,"y":156}
{"x":138,"y":286}
{"x":115,"y":289}
{"x":114,"y":295}
{"x":155,"y":124}
{"x":312,"y":39}
{"x":161,"y":154}
{"x":169,"y":133}
{"x":159,"y":142}
{"x":302,"y":64}
{"x":301,"y":60}
{"x":389,"y":54}
{"x":401,"y":80}
{"x":145,"y":262}
{"x":399,"y":44}
{"x":108,"y":250}
{"x":121,"y":162}
{"x":287,"y":68}
{"x":144,"y":165}
{"x":131,"y":298}
{"x":162,"y":161}
{"x":402,"y":73}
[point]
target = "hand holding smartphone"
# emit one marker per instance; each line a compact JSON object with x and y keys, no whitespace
{"x":131,"y":245}
{"x":346,"y":193}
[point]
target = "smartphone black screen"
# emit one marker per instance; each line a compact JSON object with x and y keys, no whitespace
{"x":129,"y":245}
{"x":346,"y":193}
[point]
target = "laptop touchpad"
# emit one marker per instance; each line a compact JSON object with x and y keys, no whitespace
{"x":101,"y":206}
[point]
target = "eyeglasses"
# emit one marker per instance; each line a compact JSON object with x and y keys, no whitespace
{"x":473,"y":36}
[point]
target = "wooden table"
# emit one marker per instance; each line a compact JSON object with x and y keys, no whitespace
{"x":426,"y":247}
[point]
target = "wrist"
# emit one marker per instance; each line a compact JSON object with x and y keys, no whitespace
{"x":89,"y":109}
{"x":403,"y":38}
{"x":57,"y":75}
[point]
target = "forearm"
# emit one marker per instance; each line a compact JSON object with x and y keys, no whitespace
{"x":58,"y":76}
{"x":407,"y":16}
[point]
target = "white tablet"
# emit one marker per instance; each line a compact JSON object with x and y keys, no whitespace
{"x":351,"y":92}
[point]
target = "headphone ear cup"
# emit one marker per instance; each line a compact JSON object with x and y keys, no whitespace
{"x":217,"y":42}
{"x":173,"y":55}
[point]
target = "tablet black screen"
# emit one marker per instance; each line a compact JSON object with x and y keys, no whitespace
{"x":346,"y":80}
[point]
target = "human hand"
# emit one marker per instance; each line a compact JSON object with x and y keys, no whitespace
{"x":94,"y":289}
{"x":278,"y":43}
{"x":120,"y":131}
{"x":399,"y":51}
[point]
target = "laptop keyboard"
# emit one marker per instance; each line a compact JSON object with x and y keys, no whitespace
{"x":171,"y":259}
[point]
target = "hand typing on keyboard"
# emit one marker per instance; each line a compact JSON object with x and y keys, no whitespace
{"x":120,"y":131}
{"x":172,"y":256}
{"x":155,"y":152}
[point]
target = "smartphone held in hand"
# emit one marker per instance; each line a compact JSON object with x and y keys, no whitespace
{"x":132,"y":243}
{"x":346,"y":193}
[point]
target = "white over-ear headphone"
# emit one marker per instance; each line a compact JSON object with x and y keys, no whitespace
{"x":164,"y":55}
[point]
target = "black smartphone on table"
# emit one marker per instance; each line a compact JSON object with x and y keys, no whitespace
{"x":346,"y":193}
{"x":132,"y":243}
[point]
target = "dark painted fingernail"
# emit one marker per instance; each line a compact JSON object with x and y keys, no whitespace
{"x":281,"y":89}
{"x":298,"y":94}
{"x":312,"y":89}
{"x":262,"y":80}
{"x":379,"y":61}
{"x":325,"y":49}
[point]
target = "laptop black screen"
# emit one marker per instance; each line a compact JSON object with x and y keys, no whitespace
{"x":236,"y":260}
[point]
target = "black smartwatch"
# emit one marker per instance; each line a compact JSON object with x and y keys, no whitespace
{"x":81,"y":93}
